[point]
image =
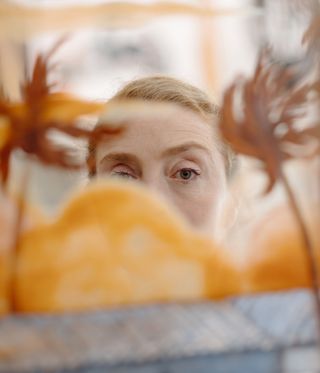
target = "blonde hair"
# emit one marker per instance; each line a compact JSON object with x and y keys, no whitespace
{"x":166,"y":89}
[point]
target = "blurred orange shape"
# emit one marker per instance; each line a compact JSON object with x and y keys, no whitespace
{"x":276,"y":259}
{"x":115,"y":244}
{"x":4,"y":131}
{"x":8,"y":227}
{"x":64,"y":108}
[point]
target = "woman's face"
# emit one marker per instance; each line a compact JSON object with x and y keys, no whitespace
{"x":176,"y":155}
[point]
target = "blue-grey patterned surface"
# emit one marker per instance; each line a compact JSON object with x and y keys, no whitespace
{"x":259,"y":334}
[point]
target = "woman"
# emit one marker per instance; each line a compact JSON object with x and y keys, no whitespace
{"x":176,"y":152}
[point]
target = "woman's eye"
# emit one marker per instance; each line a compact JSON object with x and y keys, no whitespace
{"x":123,"y":172}
{"x":186,"y":174}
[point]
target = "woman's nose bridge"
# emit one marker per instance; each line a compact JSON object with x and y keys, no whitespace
{"x":154,"y":180}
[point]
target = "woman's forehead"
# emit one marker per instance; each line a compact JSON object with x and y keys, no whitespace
{"x":172,"y":129}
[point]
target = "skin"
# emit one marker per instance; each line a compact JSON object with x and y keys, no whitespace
{"x":176,"y":155}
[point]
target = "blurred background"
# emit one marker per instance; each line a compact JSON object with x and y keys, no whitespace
{"x":206,"y":51}
{"x":107,"y":46}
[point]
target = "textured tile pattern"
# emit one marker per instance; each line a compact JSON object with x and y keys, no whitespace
{"x":250,"y":334}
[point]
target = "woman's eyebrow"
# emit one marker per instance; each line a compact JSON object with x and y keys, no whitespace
{"x":120,"y":157}
{"x":183,"y":148}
